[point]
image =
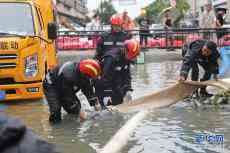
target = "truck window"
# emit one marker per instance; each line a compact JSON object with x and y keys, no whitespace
{"x":16,"y":18}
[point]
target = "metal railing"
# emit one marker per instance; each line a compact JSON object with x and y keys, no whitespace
{"x":156,"y":38}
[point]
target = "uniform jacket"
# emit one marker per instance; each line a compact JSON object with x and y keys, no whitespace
{"x":192,"y":53}
{"x":108,"y":41}
{"x":67,"y":77}
{"x":116,"y":70}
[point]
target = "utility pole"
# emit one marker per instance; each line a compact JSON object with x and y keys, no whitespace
{"x":194,"y":8}
{"x":228,"y":11}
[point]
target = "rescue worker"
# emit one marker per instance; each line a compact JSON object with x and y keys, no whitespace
{"x":115,"y":81}
{"x":15,"y":137}
{"x":203,"y":53}
{"x":63,"y":82}
{"x":113,"y":39}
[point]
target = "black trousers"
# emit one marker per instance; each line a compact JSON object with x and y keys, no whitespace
{"x":57,"y":99}
{"x":144,"y":37}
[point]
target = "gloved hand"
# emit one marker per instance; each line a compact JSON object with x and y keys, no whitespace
{"x":128,"y":96}
{"x":107,"y":101}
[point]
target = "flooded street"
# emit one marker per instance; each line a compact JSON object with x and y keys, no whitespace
{"x":168,"y":130}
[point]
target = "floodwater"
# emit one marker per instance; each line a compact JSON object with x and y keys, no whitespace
{"x":169,"y":130}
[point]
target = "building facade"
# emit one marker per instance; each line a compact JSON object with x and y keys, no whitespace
{"x":74,"y":10}
{"x":197,"y":6}
{"x":219,"y":3}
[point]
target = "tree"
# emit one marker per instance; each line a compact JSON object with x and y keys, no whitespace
{"x":105,"y":11}
{"x":154,"y":10}
{"x":182,"y":7}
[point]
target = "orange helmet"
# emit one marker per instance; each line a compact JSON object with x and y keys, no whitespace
{"x":90,"y":68}
{"x":116,"y":20}
{"x":132,"y":49}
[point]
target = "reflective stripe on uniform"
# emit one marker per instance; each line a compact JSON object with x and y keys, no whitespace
{"x":118,"y":68}
{"x":108,"y":43}
{"x":108,"y":91}
{"x":75,"y":88}
{"x":48,"y":79}
{"x":119,"y":43}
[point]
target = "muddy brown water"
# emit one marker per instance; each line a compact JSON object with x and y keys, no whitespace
{"x":168,"y":130}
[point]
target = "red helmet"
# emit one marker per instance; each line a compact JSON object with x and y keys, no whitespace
{"x":132,"y":49}
{"x":90,"y":68}
{"x":116,"y":20}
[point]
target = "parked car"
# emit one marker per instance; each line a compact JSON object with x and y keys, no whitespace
{"x":161,"y":43}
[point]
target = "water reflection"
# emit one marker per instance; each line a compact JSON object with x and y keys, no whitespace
{"x":151,"y":76}
{"x":174,"y":130}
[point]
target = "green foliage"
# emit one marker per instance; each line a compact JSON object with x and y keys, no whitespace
{"x":105,"y":11}
{"x":154,"y":10}
{"x":221,"y":98}
{"x":182,"y":6}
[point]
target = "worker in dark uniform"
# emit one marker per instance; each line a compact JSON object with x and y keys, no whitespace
{"x":63,"y":82}
{"x":15,"y":137}
{"x":203,"y":53}
{"x":113,"y":39}
{"x":115,"y":81}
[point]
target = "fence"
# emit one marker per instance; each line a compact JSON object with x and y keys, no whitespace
{"x":157,"y":38}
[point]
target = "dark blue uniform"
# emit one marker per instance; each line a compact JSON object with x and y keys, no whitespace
{"x":192,"y":57}
{"x":116,"y":78}
{"x":110,"y":40}
{"x":60,"y":87}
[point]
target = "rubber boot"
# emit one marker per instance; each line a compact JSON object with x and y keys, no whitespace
{"x":55,"y":118}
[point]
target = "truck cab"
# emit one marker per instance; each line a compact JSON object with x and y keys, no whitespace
{"x":27,"y":47}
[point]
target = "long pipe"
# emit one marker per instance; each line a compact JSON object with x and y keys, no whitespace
{"x":120,"y":139}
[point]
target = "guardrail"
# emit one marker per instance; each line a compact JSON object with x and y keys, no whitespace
{"x":156,"y":38}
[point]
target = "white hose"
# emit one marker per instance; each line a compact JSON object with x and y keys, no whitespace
{"x":120,"y":139}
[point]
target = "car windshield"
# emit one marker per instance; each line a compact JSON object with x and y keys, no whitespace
{"x":16,"y":18}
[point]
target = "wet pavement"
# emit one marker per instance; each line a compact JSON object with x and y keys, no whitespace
{"x":169,"y":130}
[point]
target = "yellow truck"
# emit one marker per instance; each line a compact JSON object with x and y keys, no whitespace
{"x":27,"y":47}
